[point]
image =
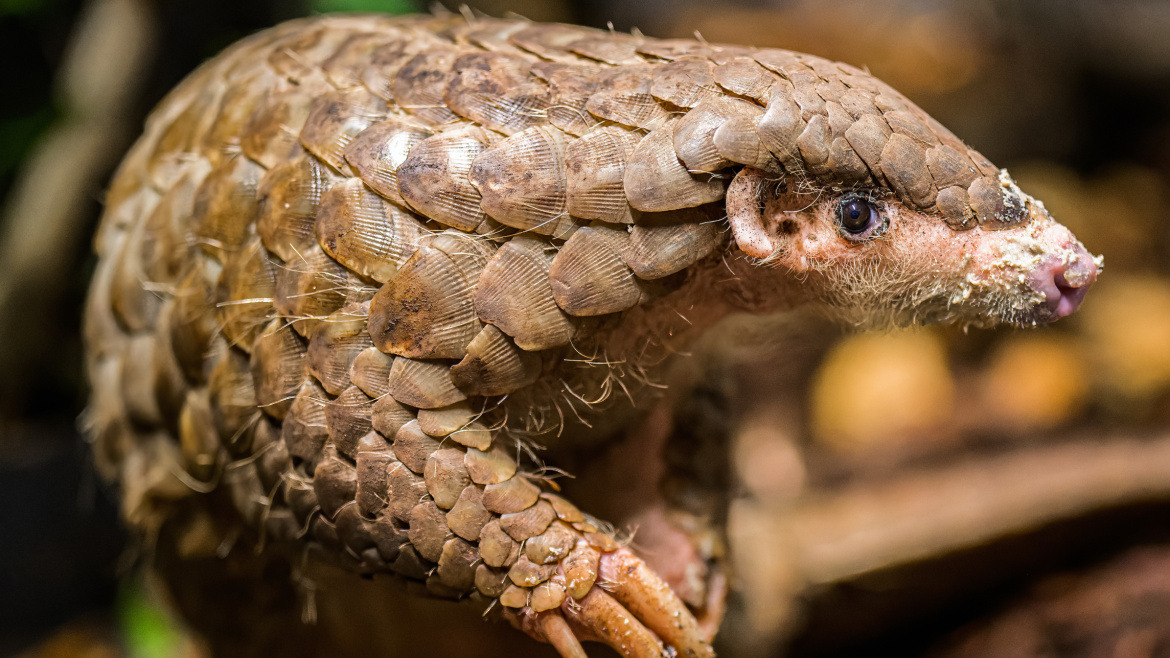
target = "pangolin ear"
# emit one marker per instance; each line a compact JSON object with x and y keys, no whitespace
{"x":745,"y":215}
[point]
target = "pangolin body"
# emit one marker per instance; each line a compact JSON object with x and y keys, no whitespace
{"x":356,"y":262}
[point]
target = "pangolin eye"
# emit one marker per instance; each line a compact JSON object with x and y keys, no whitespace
{"x":856,"y":215}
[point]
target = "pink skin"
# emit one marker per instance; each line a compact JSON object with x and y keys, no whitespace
{"x":919,"y":268}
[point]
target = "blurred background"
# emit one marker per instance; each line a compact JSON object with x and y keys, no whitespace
{"x":927,"y":492}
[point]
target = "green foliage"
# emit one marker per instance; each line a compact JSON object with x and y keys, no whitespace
{"x":19,"y":7}
{"x":379,"y":6}
{"x":18,"y":134}
{"x":146,"y":629}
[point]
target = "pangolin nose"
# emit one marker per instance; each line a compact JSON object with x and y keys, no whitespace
{"x":1064,"y":281}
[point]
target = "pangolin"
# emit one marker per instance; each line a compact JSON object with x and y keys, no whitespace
{"x":357,"y":267}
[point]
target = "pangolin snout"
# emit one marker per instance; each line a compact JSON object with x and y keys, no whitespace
{"x":1064,"y":280}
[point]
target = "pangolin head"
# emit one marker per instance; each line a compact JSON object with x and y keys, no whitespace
{"x":873,"y":261}
{"x":889,"y":218}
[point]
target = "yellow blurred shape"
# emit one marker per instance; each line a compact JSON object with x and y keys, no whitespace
{"x":77,"y":640}
{"x":1127,"y":319}
{"x":768,"y":459}
{"x":882,"y":389}
{"x":1034,"y":382}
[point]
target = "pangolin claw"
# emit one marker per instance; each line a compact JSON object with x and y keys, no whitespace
{"x":629,"y":608}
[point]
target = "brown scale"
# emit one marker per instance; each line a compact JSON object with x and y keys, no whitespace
{"x":656,"y":180}
{"x":494,"y":365}
{"x":428,"y":530}
{"x":272,"y":459}
{"x":377,"y":151}
{"x":155,"y":255}
{"x":468,"y":516}
{"x":671,"y":49}
{"x":694,"y":135}
{"x":426,"y":311}
{"x":623,"y":96}
{"x":271,"y":135}
{"x":515,"y":295}
{"x":389,"y":415}
{"x":152,"y":384}
{"x":551,"y":41}
{"x":418,"y":86}
{"x":457,"y":564}
{"x":522,"y":181}
{"x":595,"y":169}
{"x":364,"y":233}
{"x":371,"y":238}
{"x":311,"y":286}
{"x":345,"y":65}
{"x":423,"y":384}
{"x":246,"y":493}
{"x":738,"y":141}
{"x":193,"y":319}
{"x":333,"y":121}
{"x":445,"y":420}
{"x":225,"y":206}
{"x":613,"y":48}
{"x":370,"y":371}
{"x":245,"y":292}
{"x":184,"y":135}
{"x":335,"y":343}
{"x":869,"y":136}
{"x":290,"y":194}
{"x":348,"y":417}
{"x":513,"y":495}
{"x":304,"y":429}
{"x":489,"y":466}
{"x":240,"y":101}
{"x":233,"y":395}
{"x":685,"y":82}
{"x":666,"y":243}
{"x":434,"y":177}
{"x":446,"y":476}
{"x":198,"y":437}
{"x":570,"y":86}
{"x":488,"y":33}
{"x":278,"y":367}
{"x":780,"y":126}
{"x":374,"y":458}
{"x":588,"y":276}
{"x":743,"y":76}
{"x":385,"y":61}
{"x":529,"y":522}
{"x":299,"y":55}
{"x":497,"y":92}
{"x":404,"y":490}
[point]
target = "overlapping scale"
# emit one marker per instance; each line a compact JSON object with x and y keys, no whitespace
{"x":377,"y":151}
{"x":245,"y":291}
{"x":290,"y":194}
{"x":363,"y":232}
{"x":334,"y":345}
{"x":589,"y":277}
{"x":515,"y":295}
{"x":496,"y":91}
{"x":427,"y":310}
{"x":434,"y":177}
{"x":522,"y":181}
{"x":335,"y":119}
{"x":595,"y":168}
{"x":656,"y":180}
